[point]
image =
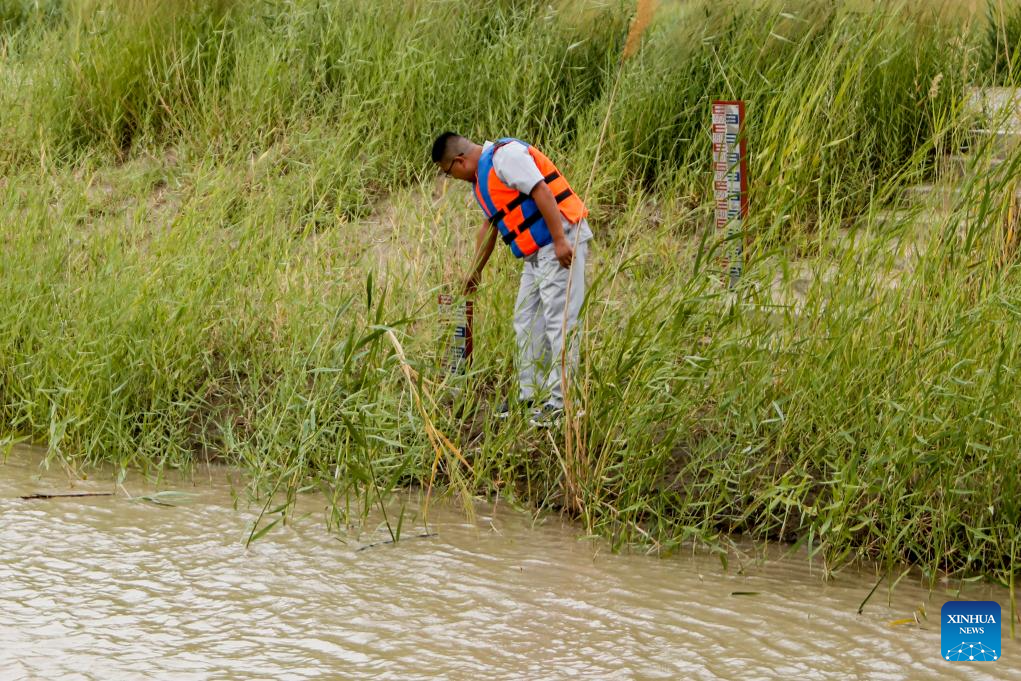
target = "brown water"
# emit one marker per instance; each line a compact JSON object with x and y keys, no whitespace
{"x":110,"y":588}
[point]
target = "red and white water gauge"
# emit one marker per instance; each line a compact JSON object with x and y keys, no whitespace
{"x":730,"y":182}
{"x":456,"y":321}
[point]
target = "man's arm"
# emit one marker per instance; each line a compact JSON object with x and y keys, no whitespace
{"x":485,"y":240}
{"x":547,"y":205}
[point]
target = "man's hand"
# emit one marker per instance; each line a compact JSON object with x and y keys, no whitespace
{"x":547,"y":205}
{"x":564,"y":252}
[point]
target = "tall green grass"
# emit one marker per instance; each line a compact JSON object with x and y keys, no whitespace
{"x":362,"y":88}
{"x":214,"y":212}
{"x":16,"y":15}
{"x":1001,"y":58}
{"x":815,"y":82}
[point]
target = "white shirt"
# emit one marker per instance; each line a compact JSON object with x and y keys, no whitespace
{"x":515,"y":167}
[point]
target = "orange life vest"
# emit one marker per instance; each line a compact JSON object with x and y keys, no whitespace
{"x":514,"y":213}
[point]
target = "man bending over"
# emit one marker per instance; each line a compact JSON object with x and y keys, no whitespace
{"x":530,"y":206}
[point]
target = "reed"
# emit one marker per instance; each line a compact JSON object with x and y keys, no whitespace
{"x":219,"y":224}
{"x":1000,"y":55}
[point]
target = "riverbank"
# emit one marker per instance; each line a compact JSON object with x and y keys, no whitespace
{"x":209,"y":224}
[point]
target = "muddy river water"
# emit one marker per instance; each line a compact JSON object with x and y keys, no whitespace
{"x":115,"y":588}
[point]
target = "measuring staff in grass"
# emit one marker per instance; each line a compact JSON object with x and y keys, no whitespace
{"x":529,"y":205}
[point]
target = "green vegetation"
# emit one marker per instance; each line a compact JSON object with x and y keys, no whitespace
{"x":1001,"y":56}
{"x":212,"y":213}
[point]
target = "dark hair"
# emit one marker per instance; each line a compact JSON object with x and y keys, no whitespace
{"x":441,"y":144}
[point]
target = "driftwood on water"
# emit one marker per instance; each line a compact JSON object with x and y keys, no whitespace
{"x":66,"y":494}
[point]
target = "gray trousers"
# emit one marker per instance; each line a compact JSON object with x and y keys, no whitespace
{"x":539,"y":321}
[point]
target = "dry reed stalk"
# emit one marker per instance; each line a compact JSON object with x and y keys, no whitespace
{"x":1013,"y":221}
{"x":1003,"y":33}
{"x":576,"y":461}
{"x":438,"y":440}
{"x":643,"y":17}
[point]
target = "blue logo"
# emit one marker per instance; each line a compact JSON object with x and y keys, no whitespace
{"x":970,"y":631}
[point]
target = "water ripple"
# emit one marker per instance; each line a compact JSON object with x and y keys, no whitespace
{"x":106,"y":588}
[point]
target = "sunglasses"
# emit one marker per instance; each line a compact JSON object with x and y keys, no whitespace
{"x":446,"y":171}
